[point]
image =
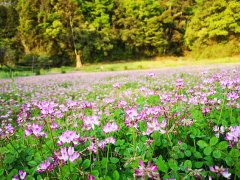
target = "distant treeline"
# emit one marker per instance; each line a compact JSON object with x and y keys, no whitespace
{"x":67,"y":32}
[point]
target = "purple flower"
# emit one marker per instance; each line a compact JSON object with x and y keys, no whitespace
{"x":151,"y":75}
{"x":22,"y":174}
{"x":15,"y":177}
{"x":110,"y":127}
{"x":45,"y":166}
{"x":220,"y":171}
{"x":155,"y":126}
{"x":233,"y":135}
{"x":116,"y":86}
{"x":6,"y":130}
{"x":68,"y":137}
{"x":90,"y":177}
{"x":150,"y":171}
{"x":90,"y":121}
{"x":109,"y":140}
{"x":35,"y":129}
{"x":54,"y":125}
{"x":66,"y":154}
{"x":218,"y":130}
{"x":179,"y":83}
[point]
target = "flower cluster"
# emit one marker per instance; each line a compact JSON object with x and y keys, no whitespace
{"x":6,"y":130}
{"x":22,"y":175}
{"x":233,"y":135}
{"x":35,"y":129}
{"x":220,"y":171}
{"x":68,"y":137}
{"x":110,"y":127}
{"x":66,"y":154}
{"x":90,"y":121}
{"x":151,"y":171}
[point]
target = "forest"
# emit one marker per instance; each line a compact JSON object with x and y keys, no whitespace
{"x":75,"y":32}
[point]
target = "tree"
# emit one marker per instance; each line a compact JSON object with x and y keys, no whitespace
{"x":215,"y":24}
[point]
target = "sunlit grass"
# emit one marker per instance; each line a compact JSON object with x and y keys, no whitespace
{"x":155,"y":63}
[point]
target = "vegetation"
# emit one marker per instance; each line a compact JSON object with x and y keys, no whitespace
{"x":141,"y":126}
{"x":58,"y":33}
{"x":160,"y":62}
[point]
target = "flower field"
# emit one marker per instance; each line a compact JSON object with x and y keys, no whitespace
{"x":146,"y":125}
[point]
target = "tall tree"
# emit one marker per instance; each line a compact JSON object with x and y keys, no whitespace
{"x":215,"y":24}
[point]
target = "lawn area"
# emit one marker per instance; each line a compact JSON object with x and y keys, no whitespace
{"x":155,"y":63}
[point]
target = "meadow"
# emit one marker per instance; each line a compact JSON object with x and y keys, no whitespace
{"x":176,"y":124}
{"x":139,"y":64}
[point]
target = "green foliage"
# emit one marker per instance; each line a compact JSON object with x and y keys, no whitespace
{"x":108,"y":30}
{"x":215,"y":24}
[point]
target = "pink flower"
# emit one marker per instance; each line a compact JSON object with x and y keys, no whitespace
{"x":151,"y":74}
{"x":233,"y":135}
{"x":35,"y":129}
{"x":150,"y":171}
{"x":220,"y":171}
{"x":179,"y":83}
{"x":155,"y":126}
{"x":45,"y":166}
{"x":90,"y":177}
{"x":22,"y":174}
{"x":109,"y":140}
{"x":90,"y":121}
{"x":110,"y":127}
{"x":66,"y":154}
{"x":116,"y":86}
{"x":68,"y":137}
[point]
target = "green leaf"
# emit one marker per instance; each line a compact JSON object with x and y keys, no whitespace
{"x":104,"y":163}
{"x":9,"y":159}
{"x":1,"y":172}
{"x":213,"y":141}
{"x":222,"y":145}
{"x":86,"y":164}
{"x":229,"y":161}
{"x":198,"y":164}
{"x":107,"y":178}
{"x":173,"y":164}
{"x":209,"y":160}
{"x":234,"y":152}
{"x":217,"y":154}
{"x":188,"y":153}
{"x":207,"y":151}
{"x":187,"y":164}
{"x":116,"y":175}
{"x":198,"y":155}
{"x":32,"y":163}
{"x":114,"y":160}
{"x":95,"y":173}
{"x":162,"y":165}
{"x":120,"y":142}
{"x":183,"y":146}
{"x":202,"y":144}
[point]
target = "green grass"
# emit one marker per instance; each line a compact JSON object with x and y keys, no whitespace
{"x":157,"y":63}
{"x":163,"y":62}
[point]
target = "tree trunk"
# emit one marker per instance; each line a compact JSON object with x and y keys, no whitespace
{"x":26,"y":48}
{"x":78,"y":61}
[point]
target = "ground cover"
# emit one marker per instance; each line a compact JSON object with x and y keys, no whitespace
{"x":144,"y":64}
{"x":172,"y":124}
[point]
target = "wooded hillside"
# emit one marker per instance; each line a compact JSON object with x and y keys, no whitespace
{"x":71,"y":32}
